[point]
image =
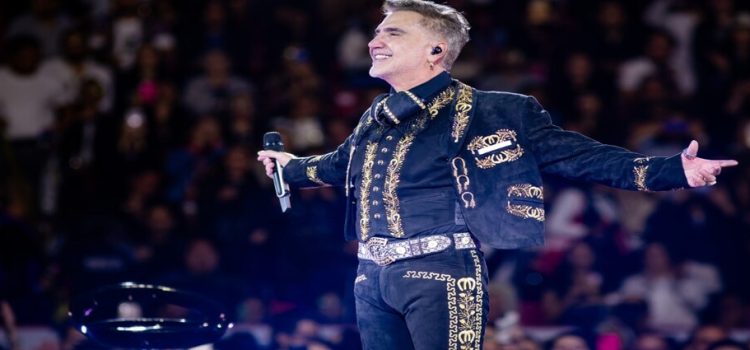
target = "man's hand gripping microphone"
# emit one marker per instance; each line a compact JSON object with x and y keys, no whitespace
{"x":272,"y":142}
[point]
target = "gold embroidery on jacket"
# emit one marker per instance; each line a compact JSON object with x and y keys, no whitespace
{"x":355,"y":135}
{"x":640,"y":177}
{"x":312,"y":175}
{"x":640,"y":171}
{"x":461,"y":175}
{"x":463,"y":106}
{"x":393,"y":173}
{"x":390,"y":198}
{"x":492,"y":159}
{"x":440,"y":101}
{"x":364,"y":194}
{"x":526,"y":211}
{"x":360,"y":278}
{"x":526,"y":191}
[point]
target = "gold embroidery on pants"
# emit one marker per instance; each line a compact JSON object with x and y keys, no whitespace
{"x":465,"y":306}
{"x":478,"y":307}
{"x":364,"y":194}
{"x":312,"y":175}
{"x":450,"y":288}
{"x":390,"y":198}
{"x":504,"y":156}
{"x":463,"y":106}
{"x":426,"y":275}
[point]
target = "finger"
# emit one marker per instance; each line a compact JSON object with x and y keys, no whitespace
{"x":707,"y":175}
{"x":692,"y":149}
{"x":709,"y":179}
{"x":695,"y":180}
{"x":269,"y":169}
{"x":726,"y":162}
{"x":269,"y":154}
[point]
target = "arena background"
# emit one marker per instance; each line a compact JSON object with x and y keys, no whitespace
{"x":129,"y":132}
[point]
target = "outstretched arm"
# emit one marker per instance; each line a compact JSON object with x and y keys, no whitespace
{"x":572,"y":155}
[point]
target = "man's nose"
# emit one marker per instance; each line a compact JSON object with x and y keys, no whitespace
{"x":375,"y":42}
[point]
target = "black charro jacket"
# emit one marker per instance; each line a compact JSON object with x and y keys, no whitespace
{"x":502,"y":143}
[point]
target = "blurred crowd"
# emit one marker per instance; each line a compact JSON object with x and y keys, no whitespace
{"x":128,"y":133}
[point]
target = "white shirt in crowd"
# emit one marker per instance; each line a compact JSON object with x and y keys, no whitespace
{"x":59,"y":70}
{"x":28,"y":103}
{"x":673,"y":301}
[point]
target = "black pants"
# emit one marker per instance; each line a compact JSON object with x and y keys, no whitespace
{"x":437,"y":301}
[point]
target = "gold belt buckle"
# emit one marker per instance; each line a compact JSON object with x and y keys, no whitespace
{"x":377,"y":247}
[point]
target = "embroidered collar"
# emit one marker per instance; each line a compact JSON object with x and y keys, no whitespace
{"x":391,"y":109}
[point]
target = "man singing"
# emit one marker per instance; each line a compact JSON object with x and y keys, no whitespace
{"x":435,"y":167}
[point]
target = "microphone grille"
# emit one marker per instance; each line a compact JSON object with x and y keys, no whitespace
{"x":272,"y":141}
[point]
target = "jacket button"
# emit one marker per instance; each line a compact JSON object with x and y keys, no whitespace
{"x":381,"y":162}
{"x":389,"y":137}
{"x":377,"y":216}
{"x":375,"y":202}
{"x":377,"y":176}
{"x":376,"y":189}
{"x":384,"y":150}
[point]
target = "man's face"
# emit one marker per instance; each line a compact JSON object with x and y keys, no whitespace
{"x":400,"y":48}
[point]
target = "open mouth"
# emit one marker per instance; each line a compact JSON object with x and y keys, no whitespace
{"x":380,"y":57}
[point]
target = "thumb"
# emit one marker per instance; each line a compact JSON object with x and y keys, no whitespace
{"x":269,"y":153}
{"x":692,"y":149}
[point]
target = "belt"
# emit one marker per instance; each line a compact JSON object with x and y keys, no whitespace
{"x":383,"y":252}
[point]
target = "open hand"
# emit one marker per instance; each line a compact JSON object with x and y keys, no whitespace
{"x":702,"y":172}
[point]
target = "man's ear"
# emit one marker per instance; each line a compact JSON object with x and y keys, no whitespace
{"x":438,"y":49}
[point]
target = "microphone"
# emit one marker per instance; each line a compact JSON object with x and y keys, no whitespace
{"x":272,"y":142}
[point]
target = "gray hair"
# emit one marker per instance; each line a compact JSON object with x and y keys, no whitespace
{"x":440,"y":19}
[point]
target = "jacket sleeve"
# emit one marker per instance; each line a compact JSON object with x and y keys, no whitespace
{"x":572,"y":155}
{"x":322,"y":170}
{"x":330,"y":169}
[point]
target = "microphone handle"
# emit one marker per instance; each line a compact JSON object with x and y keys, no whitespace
{"x":278,"y":181}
